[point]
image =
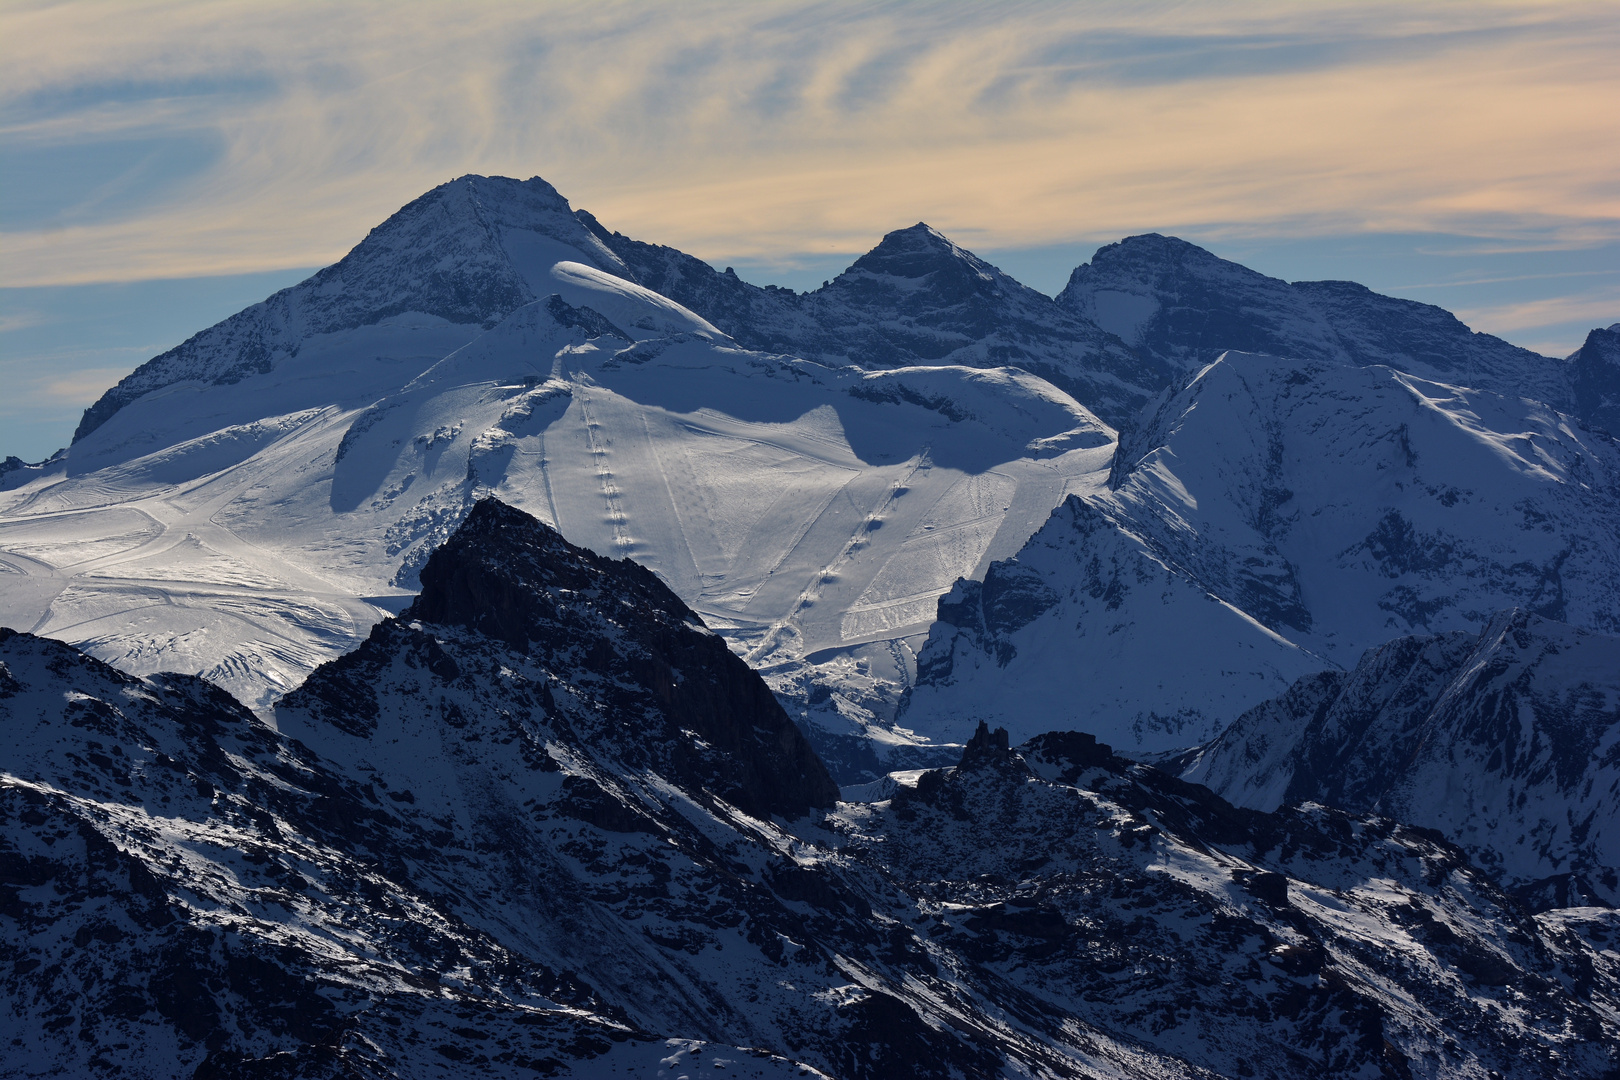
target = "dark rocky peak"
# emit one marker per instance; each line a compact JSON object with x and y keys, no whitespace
{"x":504,"y":573}
{"x":988,"y":763}
{"x":923,"y":252}
{"x":1594,"y":371}
{"x":918,"y":271}
{"x":985,"y":746}
{"x":613,"y":625}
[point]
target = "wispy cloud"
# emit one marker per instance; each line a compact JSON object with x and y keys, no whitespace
{"x":1509,"y":279}
{"x":1595,"y":308}
{"x":758,"y":129}
{"x":21,"y":320}
{"x":39,"y":385}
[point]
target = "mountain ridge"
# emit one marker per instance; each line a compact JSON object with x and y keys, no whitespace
{"x":812,"y":509}
{"x":1504,"y":740}
{"x":498,"y":873}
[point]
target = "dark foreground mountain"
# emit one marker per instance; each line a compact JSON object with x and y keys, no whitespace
{"x":544,"y":823}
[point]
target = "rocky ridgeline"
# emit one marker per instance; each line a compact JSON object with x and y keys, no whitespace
{"x":1507,"y":740}
{"x":545,"y":823}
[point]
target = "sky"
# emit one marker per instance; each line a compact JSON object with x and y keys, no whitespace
{"x":163,"y":165}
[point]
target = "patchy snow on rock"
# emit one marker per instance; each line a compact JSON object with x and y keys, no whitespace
{"x":1506,"y":741}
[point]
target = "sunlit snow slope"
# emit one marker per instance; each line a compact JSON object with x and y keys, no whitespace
{"x":249,"y":525}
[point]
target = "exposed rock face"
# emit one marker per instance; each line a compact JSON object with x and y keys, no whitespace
{"x":1507,"y":741}
{"x":506,"y":576}
{"x":914,"y":299}
{"x":484,"y":845}
{"x":1244,"y":943}
{"x":187,"y":892}
{"x":1174,"y":302}
{"x":1594,"y":369}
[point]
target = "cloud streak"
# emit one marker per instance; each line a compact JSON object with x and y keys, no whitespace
{"x":766,"y":129}
{"x":1595,"y":308}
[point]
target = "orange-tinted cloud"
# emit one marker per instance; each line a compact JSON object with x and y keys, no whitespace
{"x":743,"y":129}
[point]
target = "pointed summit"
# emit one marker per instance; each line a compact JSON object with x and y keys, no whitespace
{"x":920,"y":266}
{"x":918,"y":252}
{"x":1595,"y":371}
{"x":507,"y":576}
{"x":469,"y":252}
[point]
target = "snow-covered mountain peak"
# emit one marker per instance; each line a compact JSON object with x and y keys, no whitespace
{"x":463,"y":255}
{"x":923,"y":253}
{"x":1272,"y":518}
{"x":1174,"y":301}
{"x":1185,"y":304}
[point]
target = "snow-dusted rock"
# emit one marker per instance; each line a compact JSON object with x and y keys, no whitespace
{"x":1176,"y":303}
{"x":464,"y":255}
{"x":1507,"y":741}
{"x":536,"y":825}
{"x":1275,"y":517}
{"x":916,"y":298}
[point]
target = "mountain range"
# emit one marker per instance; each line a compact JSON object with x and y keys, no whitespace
{"x":544,"y":822}
{"x":1193,"y":673}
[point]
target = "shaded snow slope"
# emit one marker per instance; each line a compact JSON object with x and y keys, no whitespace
{"x":1180,"y":305}
{"x":1274,"y":517}
{"x":1508,"y":741}
{"x":1088,"y":630}
{"x":916,"y":298}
